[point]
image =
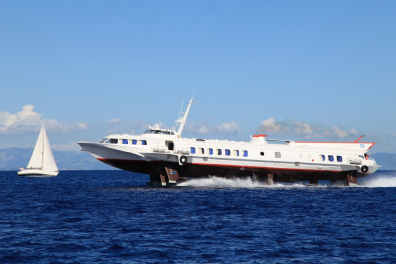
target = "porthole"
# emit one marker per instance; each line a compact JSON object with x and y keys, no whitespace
{"x":262,"y":153}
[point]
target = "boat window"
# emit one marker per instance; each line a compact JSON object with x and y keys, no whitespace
{"x":331,"y":158}
{"x":192,"y":150}
{"x":245,"y":153}
{"x":218,"y":151}
{"x":113,"y":140}
{"x":262,"y":153}
{"x":125,"y":141}
{"x":201,"y":151}
{"x":210,"y":151}
{"x":322,"y":157}
{"x":339,"y":158}
{"x":278,"y":155}
{"x":102,"y":140}
{"x":236,"y":152}
{"x":134,"y":142}
{"x":227,"y":152}
{"x":144,"y":142}
{"x":164,"y":132}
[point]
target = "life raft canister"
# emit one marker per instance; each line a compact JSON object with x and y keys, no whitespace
{"x":364,"y":168}
{"x":183,"y":159}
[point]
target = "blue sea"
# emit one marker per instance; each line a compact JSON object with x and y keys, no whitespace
{"x":114,"y":217}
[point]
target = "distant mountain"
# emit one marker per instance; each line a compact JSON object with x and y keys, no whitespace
{"x":13,"y":158}
{"x":386,"y":160}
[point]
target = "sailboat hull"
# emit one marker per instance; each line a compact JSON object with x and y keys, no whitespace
{"x":35,"y":172}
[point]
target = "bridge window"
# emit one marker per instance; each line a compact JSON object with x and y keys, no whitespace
{"x":331,"y":158}
{"x":201,"y":151}
{"x":134,"y":142}
{"x":339,"y":158}
{"x":245,"y":153}
{"x":278,"y":155}
{"x":218,"y":151}
{"x":227,"y":152}
{"x":236,"y":152}
{"x":103,"y":140}
{"x":192,"y":150}
{"x":125,"y":141}
{"x":322,"y":157}
{"x":113,"y":140}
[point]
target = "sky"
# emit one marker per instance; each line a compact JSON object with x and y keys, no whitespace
{"x":296,"y":70}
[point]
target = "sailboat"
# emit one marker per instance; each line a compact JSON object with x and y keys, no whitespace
{"x":42,"y":162}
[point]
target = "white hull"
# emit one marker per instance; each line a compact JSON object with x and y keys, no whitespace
{"x":36,"y":172}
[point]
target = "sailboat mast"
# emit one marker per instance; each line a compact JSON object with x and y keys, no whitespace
{"x":42,"y":149}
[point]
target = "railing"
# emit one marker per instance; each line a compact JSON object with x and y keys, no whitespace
{"x":180,"y":151}
{"x":160,"y":150}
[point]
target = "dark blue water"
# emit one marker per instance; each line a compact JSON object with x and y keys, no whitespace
{"x":113,"y":217}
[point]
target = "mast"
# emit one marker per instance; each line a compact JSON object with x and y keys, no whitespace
{"x":42,"y":150}
{"x":183,"y":119}
{"x":36,"y":160}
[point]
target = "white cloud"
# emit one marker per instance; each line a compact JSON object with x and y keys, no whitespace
{"x":202,"y":128}
{"x":302,"y":129}
{"x":114,"y":121}
{"x":353,"y":132}
{"x":337,"y":132}
{"x":230,"y":128}
{"x":270,"y":125}
{"x":72,"y":146}
{"x":117,"y":126}
{"x":9,"y":145}
{"x":27,"y":121}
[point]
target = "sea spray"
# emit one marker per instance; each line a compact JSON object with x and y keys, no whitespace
{"x":218,"y":182}
{"x":380,"y":179}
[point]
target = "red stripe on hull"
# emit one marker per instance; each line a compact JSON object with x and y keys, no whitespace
{"x":205,"y":170}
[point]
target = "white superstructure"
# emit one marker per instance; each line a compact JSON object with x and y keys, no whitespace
{"x":159,"y":150}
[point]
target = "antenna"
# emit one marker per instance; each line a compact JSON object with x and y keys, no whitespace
{"x":182,"y":120}
{"x":358,"y":139}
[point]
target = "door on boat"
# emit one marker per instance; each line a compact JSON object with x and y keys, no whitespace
{"x":170,"y":145}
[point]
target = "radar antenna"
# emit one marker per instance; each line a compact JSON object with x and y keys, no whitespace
{"x":182,"y":120}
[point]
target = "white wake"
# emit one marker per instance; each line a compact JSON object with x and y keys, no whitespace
{"x":217,"y":182}
{"x":380,"y":180}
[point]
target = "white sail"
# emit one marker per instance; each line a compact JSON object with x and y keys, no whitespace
{"x":42,"y":161}
{"x":48,"y":158}
{"x":36,"y":161}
